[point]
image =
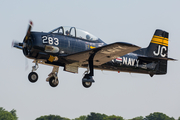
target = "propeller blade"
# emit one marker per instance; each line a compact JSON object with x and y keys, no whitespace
{"x":28,"y":31}
{"x":22,"y":45}
{"x":17,"y":45}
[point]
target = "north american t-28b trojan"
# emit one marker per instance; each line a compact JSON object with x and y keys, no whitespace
{"x":71,"y":48}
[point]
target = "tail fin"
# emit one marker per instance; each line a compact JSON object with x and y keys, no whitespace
{"x":159,"y":45}
{"x":158,"y":48}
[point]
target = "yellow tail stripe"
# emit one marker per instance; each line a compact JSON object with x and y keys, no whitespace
{"x":160,"y":40}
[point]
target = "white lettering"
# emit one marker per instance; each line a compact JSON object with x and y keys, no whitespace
{"x":163,"y":47}
{"x":137,"y":62}
{"x":44,"y":39}
{"x":160,"y":51}
{"x":133,"y":61}
{"x":56,"y":41}
{"x":125,"y":60}
{"x":129,"y":61}
{"x":50,"y":40}
{"x":156,"y":54}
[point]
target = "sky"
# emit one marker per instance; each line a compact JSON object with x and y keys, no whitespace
{"x":123,"y":94}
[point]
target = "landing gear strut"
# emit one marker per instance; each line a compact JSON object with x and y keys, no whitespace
{"x":33,"y":76}
{"x":88,"y":77}
{"x":53,"y":79}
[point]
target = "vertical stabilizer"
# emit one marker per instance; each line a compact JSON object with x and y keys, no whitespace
{"x":159,"y":44}
{"x":158,"y":48}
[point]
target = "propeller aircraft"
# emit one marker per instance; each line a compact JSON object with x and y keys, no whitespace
{"x":71,"y":48}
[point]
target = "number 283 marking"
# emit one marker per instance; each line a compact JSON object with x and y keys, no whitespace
{"x":50,"y":40}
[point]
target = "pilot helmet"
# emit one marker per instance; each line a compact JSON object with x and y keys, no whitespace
{"x":67,"y":32}
{"x":88,"y":37}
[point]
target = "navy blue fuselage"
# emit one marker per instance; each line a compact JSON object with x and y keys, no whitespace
{"x":131,"y":62}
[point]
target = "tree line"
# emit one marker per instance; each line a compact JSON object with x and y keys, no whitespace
{"x":98,"y":116}
{"x":11,"y":115}
{"x":8,"y":115}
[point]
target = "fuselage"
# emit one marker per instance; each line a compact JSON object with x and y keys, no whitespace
{"x":71,"y":48}
{"x":36,"y":49}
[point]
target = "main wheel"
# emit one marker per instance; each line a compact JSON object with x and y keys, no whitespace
{"x":33,"y":77}
{"x":87,"y":84}
{"x":53,"y":82}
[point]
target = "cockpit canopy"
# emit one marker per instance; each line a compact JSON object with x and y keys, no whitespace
{"x":74,"y":32}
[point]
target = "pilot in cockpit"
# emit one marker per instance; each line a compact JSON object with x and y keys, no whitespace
{"x":88,"y":37}
{"x":67,"y":32}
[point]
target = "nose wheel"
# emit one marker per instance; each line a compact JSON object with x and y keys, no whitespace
{"x":33,"y":77}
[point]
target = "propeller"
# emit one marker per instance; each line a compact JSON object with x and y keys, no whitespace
{"x":23,"y":44}
{"x":28,"y":31}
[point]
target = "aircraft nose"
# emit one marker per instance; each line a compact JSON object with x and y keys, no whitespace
{"x":27,"y":46}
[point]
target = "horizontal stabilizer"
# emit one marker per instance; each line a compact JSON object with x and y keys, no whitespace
{"x":156,"y":58}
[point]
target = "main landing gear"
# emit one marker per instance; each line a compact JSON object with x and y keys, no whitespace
{"x":52,"y":79}
{"x":87,"y":81}
{"x":88,"y":77}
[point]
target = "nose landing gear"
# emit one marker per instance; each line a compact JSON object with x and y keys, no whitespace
{"x":33,"y":76}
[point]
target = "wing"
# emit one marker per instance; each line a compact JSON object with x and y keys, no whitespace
{"x":103,"y":54}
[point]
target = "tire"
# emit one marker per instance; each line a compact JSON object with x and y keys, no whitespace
{"x":33,"y":77}
{"x":87,"y":84}
{"x":53,"y":82}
